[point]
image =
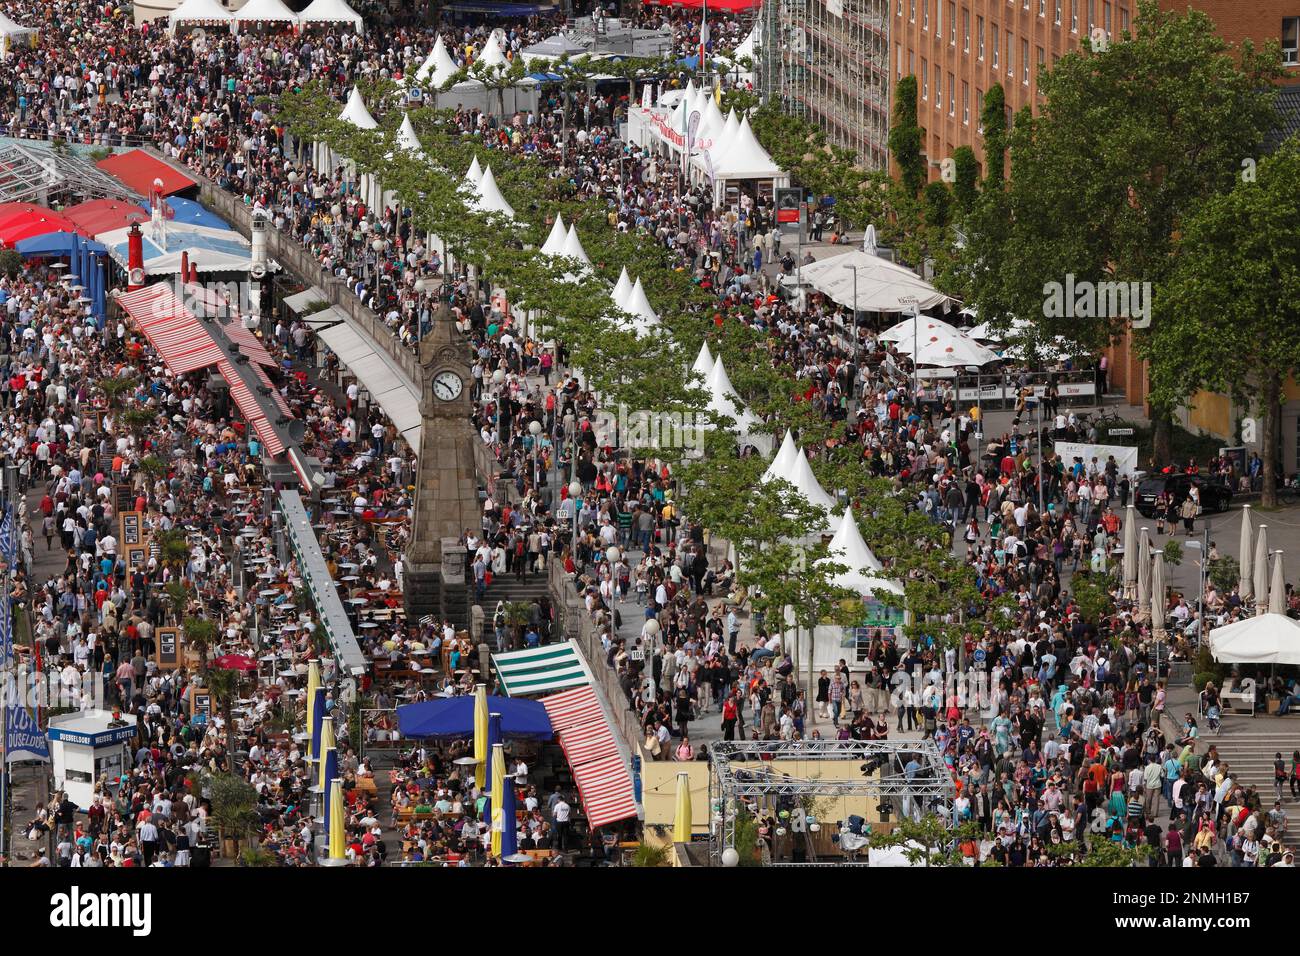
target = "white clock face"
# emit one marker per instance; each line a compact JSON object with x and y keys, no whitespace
{"x":447,"y":386}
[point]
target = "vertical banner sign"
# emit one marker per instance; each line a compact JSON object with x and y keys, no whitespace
{"x":8,"y":536}
{"x":692,"y":127}
{"x":23,"y":737}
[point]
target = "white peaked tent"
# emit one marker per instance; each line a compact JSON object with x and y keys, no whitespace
{"x":489,"y":198}
{"x":332,"y":11}
{"x":437,"y":67}
{"x":783,"y":464}
{"x":848,"y":548}
{"x":745,"y":157}
{"x":729,"y":128}
{"x":746,"y":47}
{"x":802,"y":477}
{"x":474,"y":174}
{"x":407,"y":138}
{"x":356,"y":113}
{"x":198,"y":11}
{"x":639,"y":305}
{"x":11,"y":32}
{"x":712,"y":123}
{"x":573,"y":247}
{"x":704,"y":361}
{"x":621,"y":290}
{"x":554,"y":244}
{"x":493,"y":53}
{"x":265,"y":11}
{"x":1263,"y":639}
{"x":724,"y":400}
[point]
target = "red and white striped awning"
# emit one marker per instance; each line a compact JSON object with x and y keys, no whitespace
{"x":252,"y":412}
{"x":171,"y":328}
{"x":604,"y":784}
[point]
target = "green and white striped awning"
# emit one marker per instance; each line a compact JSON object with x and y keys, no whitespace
{"x":540,"y":670}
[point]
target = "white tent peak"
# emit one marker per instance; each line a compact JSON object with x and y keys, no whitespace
{"x":356,"y":113}
{"x":490,"y":198}
{"x":265,"y":11}
{"x":554,"y":243}
{"x":474,"y":174}
{"x":438,"y":66}
{"x":406,"y":136}
{"x":331,"y":11}
{"x":493,"y":54}
{"x":745,"y":155}
{"x":198,"y":11}
{"x":704,"y":361}
{"x":573,"y":246}
{"x":621,"y":289}
{"x":783,"y":463}
{"x":726,"y":135}
{"x":639,"y":305}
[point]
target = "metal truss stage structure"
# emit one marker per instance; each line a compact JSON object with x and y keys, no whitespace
{"x":738,"y":773}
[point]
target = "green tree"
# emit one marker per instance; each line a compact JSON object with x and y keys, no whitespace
{"x":930,"y":841}
{"x":1233,"y":300}
{"x":1127,"y":145}
{"x":223,"y":684}
{"x":965,"y":188}
{"x":200,"y":634}
{"x":905,"y":137}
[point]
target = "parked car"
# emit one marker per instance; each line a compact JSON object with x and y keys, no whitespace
{"x":1216,"y":496}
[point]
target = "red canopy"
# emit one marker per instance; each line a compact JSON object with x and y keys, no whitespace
{"x":722,"y":6}
{"x":137,"y":169}
{"x":234,"y":662}
{"x":19,"y":221}
{"x":104,"y":215}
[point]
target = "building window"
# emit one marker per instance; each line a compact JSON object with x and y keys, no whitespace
{"x":965,"y":103}
{"x":979,"y":37}
{"x":925,"y":79}
{"x":938,"y":88}
{"x":1074,"y":16}
{"x":1123,"y":19}
{"x":1042,"y":8}
{"x":925,"y":14}
{"x":911,"y":63}
{"x":899,"y":48}
{"x":1092,"y":14}
{"x":1057,"y":20}
{"x":1291,"y":40}
{"x":965,"y":30}
{"x":938,"y":16}
{"x":911,"y":11}
{"x":952,"y":95}
{"x":1024,"y":62}
{"x":979,"y":106}
{"x":1011,"y":55}
{"x":952,"y":22}
{"x":1105,"y":16}
{"x":993,"y":43}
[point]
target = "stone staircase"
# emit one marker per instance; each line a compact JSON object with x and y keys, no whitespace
{"x":1250,"y":756}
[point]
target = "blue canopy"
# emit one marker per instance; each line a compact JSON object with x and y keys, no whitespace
{"x":57,"y":244}
{"x":454,"y":717}
{"x":690,"y":62}
{"x":546,"y":77}
{"x":189,"y":211}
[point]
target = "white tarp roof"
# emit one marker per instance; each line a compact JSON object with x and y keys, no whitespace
{"x":947,"y":350}
{"x":639,"y":305}
{"x":11,"y":29}
{"x":474,"y":174}
{"x":438,"y":67}
{"x":489,"y":198}
{"x":265,"y":11}
{"x":783,"y":463}
{"x":386,"y":382}
{"x":848,"y":548}
{"x":805,"y":482}
{"x":880,"y":285}
{"x":554,"y":244}
{"x":552,"y":48}
{"x":331,"y":11}
{"x":745,"y":158}
{"x":724,"y":400}
{"x":198,"y":11}
{"x":1262,"y":639}
{"x":725,"y":136}
{"x":573,"y":247}
{"x":492,"y":54}
{"x":356,"y":113}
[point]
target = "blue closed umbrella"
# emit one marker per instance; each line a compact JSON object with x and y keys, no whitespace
{"x":317,"y":715}
{"x":494,"y":738}
{"x":509,"y":836}
{"x":331,"y":771}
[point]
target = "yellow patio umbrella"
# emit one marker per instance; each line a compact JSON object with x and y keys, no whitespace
{"x":327,"y":743}
{"x":338,"y":842}
{"x":481,"y":735}
{"x":498,"y":788}
{"x":313,"y":681}
{"x":682,"y":820}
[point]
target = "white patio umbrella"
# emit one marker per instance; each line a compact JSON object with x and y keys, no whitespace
{"x":1246,"y":583}
{"x":1144,"y":573}
{"x":1158,"y":597}
{"x":1130,"y":551}
{"x":1277,"y":589}
{"x":1261,"y":570}
{"x":1266,"y":639}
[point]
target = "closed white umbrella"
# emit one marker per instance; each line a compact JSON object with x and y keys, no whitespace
{"x":1144,"y":574}
{"x":1158,"y":597}
{"x":1261,"y":570}
{"x":1130,"y":551}
{"x":1277,"y":589}
{"x":1246,"y":583}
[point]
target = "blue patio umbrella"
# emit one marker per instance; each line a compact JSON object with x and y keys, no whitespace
{"x":331,"y":771}
{"x":509,"y":836}
{"x":83,"y":262}
{"x":453,"y":717}
{"x":101,"y":282}
{"x":494,"y":738}
{"x":317,"y":715}
{"x":54,"y":244}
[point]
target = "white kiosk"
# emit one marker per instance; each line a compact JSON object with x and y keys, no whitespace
{"x":85,"y":746}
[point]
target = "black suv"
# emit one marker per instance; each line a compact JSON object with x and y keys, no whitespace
{"x":1215,"y":495}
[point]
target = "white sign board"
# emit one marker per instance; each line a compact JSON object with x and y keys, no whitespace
{"x":1126,"y":456}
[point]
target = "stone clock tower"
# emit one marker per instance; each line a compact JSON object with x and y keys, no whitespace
{"x":446,"y":490}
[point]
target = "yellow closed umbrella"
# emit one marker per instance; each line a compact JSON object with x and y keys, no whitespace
{"x":480,"y":734}
{"x":498,"y":788}
{"x":327,"y":743}
{"x":682,"y":821}
{"x":338,"y":842}
{"x":313,"y":681}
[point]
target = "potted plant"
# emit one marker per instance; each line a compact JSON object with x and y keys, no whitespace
{"x":233,"y":802}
